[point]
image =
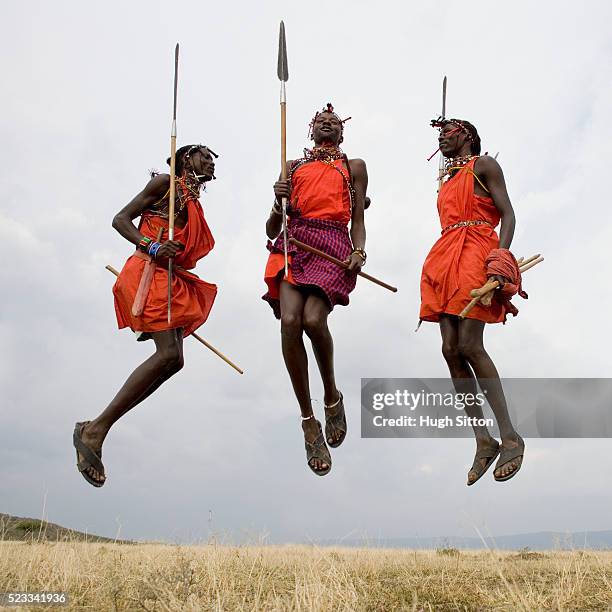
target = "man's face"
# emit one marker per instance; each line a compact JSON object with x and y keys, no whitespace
{"x":327,"y":128}
{"x":202,"y":163}
{"x":451,"y":140}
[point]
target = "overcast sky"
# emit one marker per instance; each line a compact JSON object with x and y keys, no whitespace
{"x":86,"y":109}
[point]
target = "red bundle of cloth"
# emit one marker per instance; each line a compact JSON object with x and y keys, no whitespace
{"x":501,"y":262}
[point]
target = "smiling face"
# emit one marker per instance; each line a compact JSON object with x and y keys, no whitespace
{"x":327,"y":129}
{"x":454,"y":141}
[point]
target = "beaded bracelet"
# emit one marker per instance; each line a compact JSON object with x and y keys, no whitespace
{"x":361,"y":254}
{"x":153,"y":248}
{"x":144,"y":243}
{"x":276,"y":208}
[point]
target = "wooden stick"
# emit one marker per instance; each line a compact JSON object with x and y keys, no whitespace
{"x":524,"y":268}
{"x":486,"y":291}
{"x":217,"y":352}
{"x":491,"y":285}
{"x":172,"y":196}
{"x":198,"y":338}
{"x":310,"y":249}
{"x":283,"y":75}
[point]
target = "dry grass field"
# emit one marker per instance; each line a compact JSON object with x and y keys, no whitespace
{"x":103,"y":577}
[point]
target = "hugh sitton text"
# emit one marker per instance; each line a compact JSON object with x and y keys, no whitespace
{"x":428,"y":421}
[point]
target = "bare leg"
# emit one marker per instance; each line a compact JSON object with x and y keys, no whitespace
{"x":294,"y":353}
{"x":464,"y":382}
{"x":146,"y":378}
{"x":316,"y":311}
{"x":472,"y":348}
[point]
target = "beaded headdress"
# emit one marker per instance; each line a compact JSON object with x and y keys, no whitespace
{"x":460,"y":125}
{"x":327,"y":109}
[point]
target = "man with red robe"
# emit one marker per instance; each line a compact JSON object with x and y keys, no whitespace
{"x":141,"y":291}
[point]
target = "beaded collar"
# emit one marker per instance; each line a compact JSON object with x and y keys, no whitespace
{"x":324,"y":153}
{"x":452,"y":164}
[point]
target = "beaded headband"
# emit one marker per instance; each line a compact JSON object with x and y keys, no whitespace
{"x":439,"y":123}
{"x":191,"y":149}
{"x":327,"y":109}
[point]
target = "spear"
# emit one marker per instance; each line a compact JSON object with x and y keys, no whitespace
{"x":283,"y":75}
{"x":441,"y":163}
{"x":172,"y":179}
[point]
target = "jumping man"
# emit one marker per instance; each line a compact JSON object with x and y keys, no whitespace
{"x":471,"y":202}
{"x":326,"y":191}
{"x":192,"y":298}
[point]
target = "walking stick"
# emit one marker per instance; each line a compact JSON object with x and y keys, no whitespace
{"x":306,"y":247}
{"x":484,"y":294}
{"x":172,"y":179}
{"x":283,"y":75}
{"x":198,"y":338}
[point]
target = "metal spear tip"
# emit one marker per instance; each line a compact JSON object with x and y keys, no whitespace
{"x":283,"y":67}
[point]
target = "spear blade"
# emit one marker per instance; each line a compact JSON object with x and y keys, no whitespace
{"x":283,"y":67}
{"x":444,"y":98}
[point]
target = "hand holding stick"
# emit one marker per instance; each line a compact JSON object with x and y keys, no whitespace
{"x":484,"y":294}
{"x":306,"y":247}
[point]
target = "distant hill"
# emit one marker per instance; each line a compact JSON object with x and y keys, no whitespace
{"x":28,"y":529}
{"x":541,"y":540}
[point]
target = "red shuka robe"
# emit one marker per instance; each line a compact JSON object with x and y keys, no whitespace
{"x":456,"y":263}
{"x":192,"y":298}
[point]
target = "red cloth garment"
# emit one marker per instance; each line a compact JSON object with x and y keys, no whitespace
{"x":456,"y":263}
{"x":319,"y":214}
{"x":501,"y":262}
{"x":192,"y":298}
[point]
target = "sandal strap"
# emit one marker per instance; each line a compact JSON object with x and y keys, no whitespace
{"x":318,"y":449}
{"x":487,"y":453}
{"x":508,"y":454}
{"x":90,"y":459}
{"x":340,"y":398}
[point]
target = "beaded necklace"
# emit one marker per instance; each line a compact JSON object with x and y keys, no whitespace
{"x":185,"y":186}
{"x":327,"y":155}
{"x":453,"y":164}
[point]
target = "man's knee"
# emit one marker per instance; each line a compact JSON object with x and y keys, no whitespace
{"x":450,"y":351}
{"x":315,"y":324}
{"x":472,"y":351}
{"x":171,"y":359}
{"x":291,"y":324}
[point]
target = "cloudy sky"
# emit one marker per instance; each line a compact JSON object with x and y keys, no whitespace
{"x":86,"y":112}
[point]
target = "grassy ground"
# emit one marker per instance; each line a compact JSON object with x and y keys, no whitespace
{"x":160,"y":577}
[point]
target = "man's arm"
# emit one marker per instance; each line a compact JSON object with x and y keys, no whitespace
{"x":359,"y":173}
{"x":155,"y":189}
{"x":492,"y":176}
{"x":282,"y":189}
{"x":152,"y":193}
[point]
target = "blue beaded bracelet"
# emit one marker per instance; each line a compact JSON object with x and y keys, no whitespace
{"x":153,"y":248}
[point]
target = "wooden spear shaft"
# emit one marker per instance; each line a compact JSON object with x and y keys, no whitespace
{"x":306,"y":247}
{"x":198,"y":338}
{"x":283,"y":76}
{"x":172,"y":196}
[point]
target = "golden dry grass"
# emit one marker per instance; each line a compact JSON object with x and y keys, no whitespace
{"x":161,"y":577}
